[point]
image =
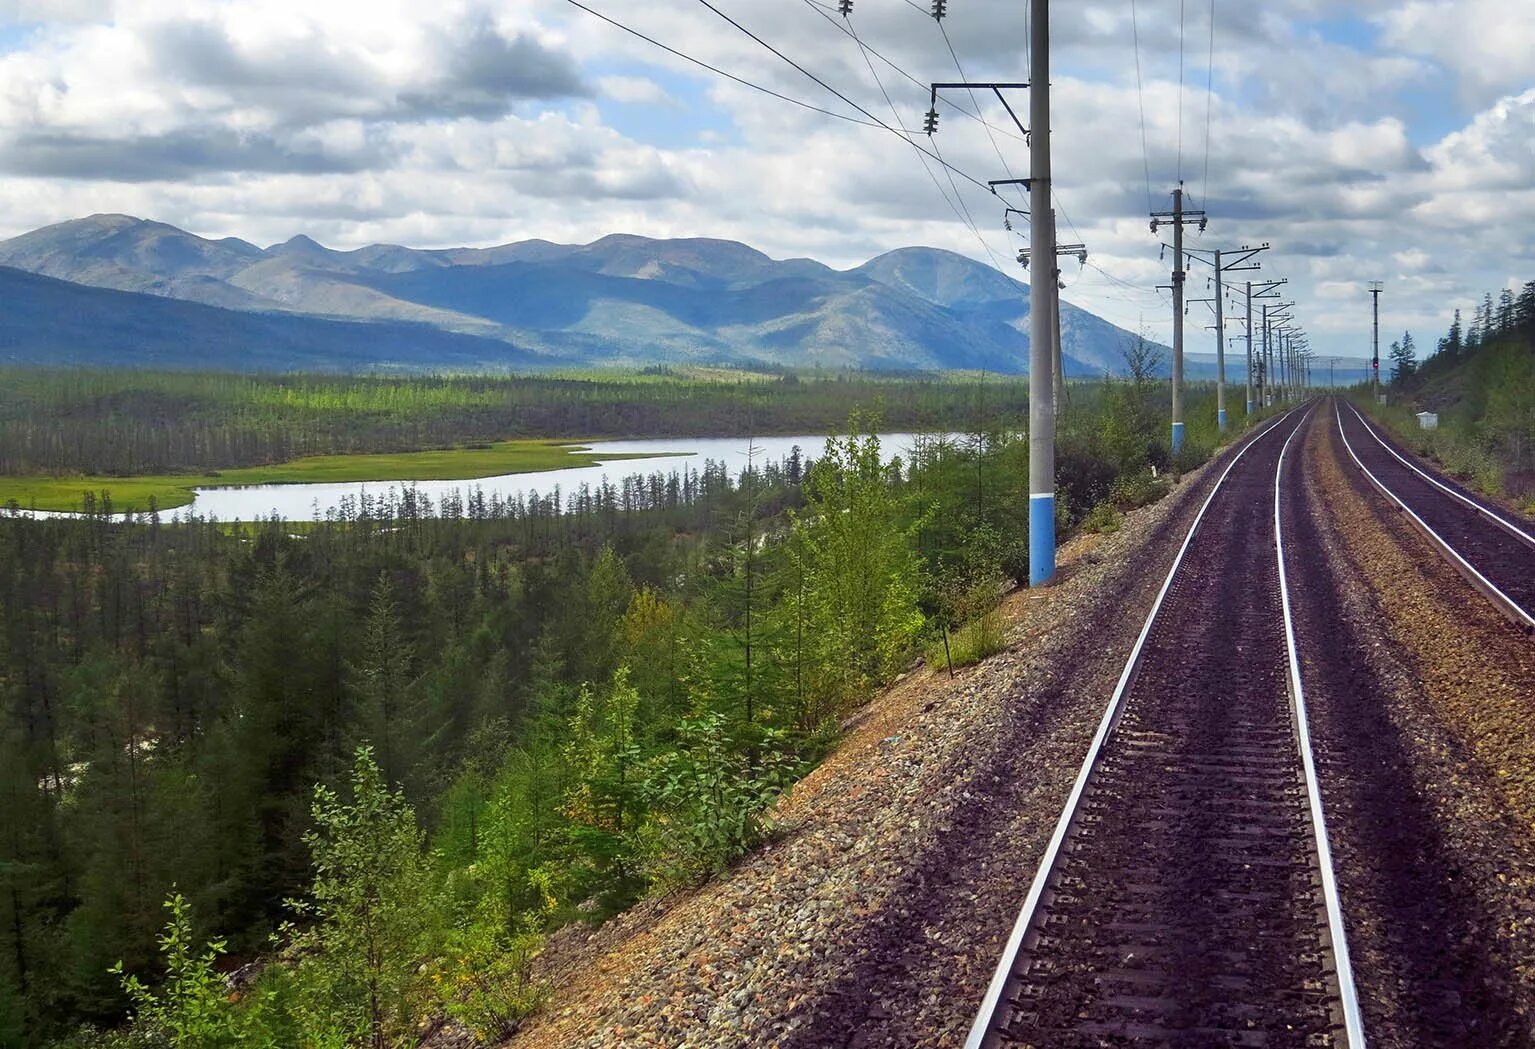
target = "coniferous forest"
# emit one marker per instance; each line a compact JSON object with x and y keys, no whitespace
{"x":317,"y":784}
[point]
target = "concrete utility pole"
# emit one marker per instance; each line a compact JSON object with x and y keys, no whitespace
{"x":1376,"y":287}
{"x":1275,"y":314}
{"x":1042,"y":294}
{"x":1249,"y":347}
{"x":1263,"y":355}
{"x":1224,"y":262}
{"x":1268,"y":289}
{"x":1044,"y":324}
{"x":1025,"y":257}
{"x":1178,"y":218}
{"x":1220,"y":349}
{"x":1057,"y":369}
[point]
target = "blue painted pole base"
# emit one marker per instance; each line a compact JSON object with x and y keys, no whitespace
{"x":1249,"y":407}
{"x":1177,"y":438}
{"x":1220,"y":420}
{"x":1041,"y":539}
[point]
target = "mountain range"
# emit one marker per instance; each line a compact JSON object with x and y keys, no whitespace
{"x":118,"y":290}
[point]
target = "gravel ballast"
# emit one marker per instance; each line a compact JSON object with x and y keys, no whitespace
{"x":1416,"y":688}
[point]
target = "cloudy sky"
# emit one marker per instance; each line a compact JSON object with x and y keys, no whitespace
{"x":1372,"y":139}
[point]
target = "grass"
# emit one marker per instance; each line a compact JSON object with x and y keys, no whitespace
{"x":983,"y":636}
{"x":172,"y":490}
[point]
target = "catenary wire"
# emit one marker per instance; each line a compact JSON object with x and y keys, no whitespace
{"x":1140,"y":94}
{"x":1204,"y":183}
{"x":718,"y":71}
{"x":905,"y":138}
{"x":1180,"y":91}
{"x":822,"y":9}
{"x":960,"y":211}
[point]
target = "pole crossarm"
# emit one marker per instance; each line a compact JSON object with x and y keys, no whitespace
{"x":1061,"y":251}
{"x":1179,"y":218}
{"x":1240,"y":257}
{"x":996,"y":87}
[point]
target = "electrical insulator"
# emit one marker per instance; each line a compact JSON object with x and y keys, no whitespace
{"x":1203,"y":223}
{"x":1081,"y":258}
{"x":930,"y":122}
{"x":1153,"y":225}
{"x":1023,"y":258}
{"x":846,"y":7}
{"x":1007,"y":224}
{"x":940,"y":8}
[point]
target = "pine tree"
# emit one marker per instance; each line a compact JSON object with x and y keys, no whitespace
{"x":1524,"y":309}
{"x":1454,"y":342}
{"x":1505,"y":321}
{"x":380,"y":681}
{"x":604,"y":802}
{"x":1404,"y":359}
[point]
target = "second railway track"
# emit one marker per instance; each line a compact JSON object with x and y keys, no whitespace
{"x":1187,"y":898}
{"x":1493,"y":551}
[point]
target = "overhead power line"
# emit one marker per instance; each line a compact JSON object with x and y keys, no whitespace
{"x":718,"y":71}
{"x":961,"y":211}
{"x":898,"y":134}
{"x":822,"y":9}
{"x":1180,"y":91}
{"x":1204,"y":183}
{"x":1140,"y":94}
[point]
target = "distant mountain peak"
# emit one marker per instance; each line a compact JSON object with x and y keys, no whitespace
{"x":623,"y":298}
{"x":299,"y":243}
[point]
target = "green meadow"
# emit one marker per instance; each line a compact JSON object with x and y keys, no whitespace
{"x":172,"y":490}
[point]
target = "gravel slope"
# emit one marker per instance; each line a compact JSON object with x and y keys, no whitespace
{"x":877,"y":916}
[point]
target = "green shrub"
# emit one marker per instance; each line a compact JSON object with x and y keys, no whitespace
{"x":710,"y":800}
{"x":193,"y":1008}
{"x":489,"y":986}
{"x":1102,"y":518}
{"x":1137,"y":490}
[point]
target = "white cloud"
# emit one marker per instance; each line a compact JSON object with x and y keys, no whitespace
{"x":634,"y":90}
{"x":1486,"y":43}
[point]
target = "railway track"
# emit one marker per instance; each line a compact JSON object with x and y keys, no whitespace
{"x":1495,"y":553}
{"x":1187,"y":895}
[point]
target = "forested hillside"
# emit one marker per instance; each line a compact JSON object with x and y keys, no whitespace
{"x":63,"y":422}
{"x":1480,"y":379}
{"x":373,"y":761}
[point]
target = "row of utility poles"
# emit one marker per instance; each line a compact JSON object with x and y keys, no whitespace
{"x":1276,"y":369}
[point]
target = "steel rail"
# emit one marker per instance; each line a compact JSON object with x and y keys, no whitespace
{"x":1353,"y":1023}
{"x":1047,"y":866}
{"x":1489,"y":589}
{"x":1497,"y":519}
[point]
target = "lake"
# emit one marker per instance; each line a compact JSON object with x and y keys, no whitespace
{"x":304,"y":502}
